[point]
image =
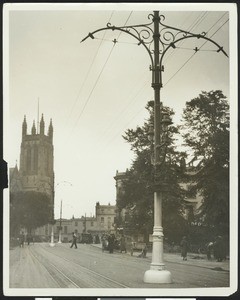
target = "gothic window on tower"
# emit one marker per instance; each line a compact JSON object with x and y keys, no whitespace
{"x":47,"y":161}
{"x":35,"y":159}
{"x":28,"y":159}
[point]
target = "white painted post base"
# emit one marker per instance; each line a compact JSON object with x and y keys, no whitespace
{"x":157,"y":276}
{"x":60,"y":238}
{"x":52,"y":239}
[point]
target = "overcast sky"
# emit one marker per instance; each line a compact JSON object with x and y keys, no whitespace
{"x":95,"y":90}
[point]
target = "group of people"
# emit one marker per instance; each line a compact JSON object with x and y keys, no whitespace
{"x":216,"y":248}
{"x":22,"y":239}
{"x":110,"y":242}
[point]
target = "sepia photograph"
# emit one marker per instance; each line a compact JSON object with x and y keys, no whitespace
{"x":120,"y":135}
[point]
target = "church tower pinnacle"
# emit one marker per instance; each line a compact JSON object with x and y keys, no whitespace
{"x":24,"y":127}
{"x":42,"y":125}
{"x":37,"y":160}
{"x":50,"y":130}
{"x":33,"y":128}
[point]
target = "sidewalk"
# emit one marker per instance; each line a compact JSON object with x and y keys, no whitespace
{"x":194,"y":259}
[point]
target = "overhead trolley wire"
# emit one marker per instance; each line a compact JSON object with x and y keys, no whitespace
{"x":88,"y":72}
{"x":97,"y":80}
{"x":195,"y":23}
{"x":115,"y":136}
{"x":133,"y":100}
{"x":196,"y":51}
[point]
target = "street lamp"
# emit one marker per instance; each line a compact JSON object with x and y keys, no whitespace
{"x":162,"y":39}
{"x":42,"y":186}
{"x":60,"y":226}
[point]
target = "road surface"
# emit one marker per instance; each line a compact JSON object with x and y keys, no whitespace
{"x":42,"y":266}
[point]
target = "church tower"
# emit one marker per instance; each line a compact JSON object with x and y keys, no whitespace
{"x":36,"y":160}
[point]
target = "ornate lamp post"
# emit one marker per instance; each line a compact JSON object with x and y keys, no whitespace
{"x":162,"y":39}
{"x":60,"y":223}
{"x":42,"y":187}
{"x":60,"y":226}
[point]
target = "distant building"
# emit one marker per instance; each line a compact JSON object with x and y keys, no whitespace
{"x":36,"y":162}
{"x":105,"y":215}
{"x":191,"y":204}
{"x":103,"y":222}
{"x":120,"y":177}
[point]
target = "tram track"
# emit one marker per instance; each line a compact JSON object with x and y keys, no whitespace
{"x":81,"y":277}
{"x":67,"y":282}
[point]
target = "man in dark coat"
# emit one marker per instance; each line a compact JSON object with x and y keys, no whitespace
{"x":219,"y":251}
{"x":123,"y":244}
{"x":184,"y":246}
{"x":111,"y":239}
{"x":22,"y":239}
{"x":74,"y":240}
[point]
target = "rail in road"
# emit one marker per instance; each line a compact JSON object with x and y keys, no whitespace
{"x":71,"y":274}
{"x":42,"y":266}
{"x":64,"y":272}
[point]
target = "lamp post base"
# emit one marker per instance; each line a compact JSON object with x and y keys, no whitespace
{"x":52,"y":244}
{"x":157,"y":276}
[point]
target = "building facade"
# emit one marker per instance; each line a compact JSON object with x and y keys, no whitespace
{"x":36,"y":171}
{"x":191,"y":205}
{"x":103,"y":222}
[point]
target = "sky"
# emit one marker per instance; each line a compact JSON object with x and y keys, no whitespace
{"x":95,"y":90}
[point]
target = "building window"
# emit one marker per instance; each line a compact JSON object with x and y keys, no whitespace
{"x":92,"y":224}
{"x":46,"y":230}
{"x":102,"y":210}
{"x":35,"y":159}
{"x":65,"y":229}
{"x":28,"y":160}
{"x":76,"y":223}
{"x":102,"y":219}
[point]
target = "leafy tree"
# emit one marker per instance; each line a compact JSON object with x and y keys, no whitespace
{"x":30,"y":210}
{"x":137,"y":195}
{"x":206,"y":132}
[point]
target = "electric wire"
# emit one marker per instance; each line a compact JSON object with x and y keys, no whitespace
{"x":199,"y":19}
{"x":88,"y":72}
{"x":106,"y":40}
{"x":93,"y":88}
{"x":195,"y":23}
{"x":192,"y":26}
{"x":115,"y":136}
{"x":97,"y":80}
{"x":133,"y":100}
{"x":193,"y":54}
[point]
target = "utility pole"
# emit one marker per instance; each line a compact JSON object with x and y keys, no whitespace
{"x":162,"y":38}
{"x":60,"y":227}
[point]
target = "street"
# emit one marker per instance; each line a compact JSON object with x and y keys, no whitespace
{"x":42,"y":266}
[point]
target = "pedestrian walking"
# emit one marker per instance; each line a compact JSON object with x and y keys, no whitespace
{"x":143,"y":253}
{"x":184,"y":248}
{"x":29,"y":239}
{"x":123,"y":244}
{"x":21,"y":240}
{"x":111,"y":240}
{"x":209,"y":250}
{"x":219,"y":250}
{"x":74,"y":240}
{"x":97,"y":240}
